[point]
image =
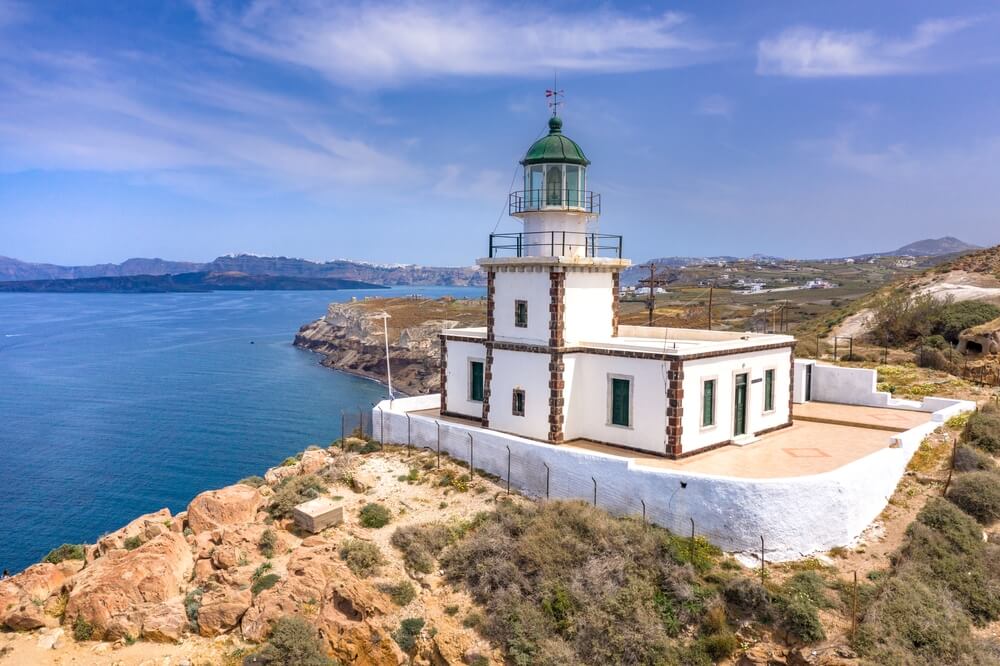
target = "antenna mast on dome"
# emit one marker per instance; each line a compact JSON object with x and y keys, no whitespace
{"x":553,"y":94}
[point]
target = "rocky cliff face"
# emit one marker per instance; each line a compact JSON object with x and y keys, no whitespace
{"x":351,"y":338}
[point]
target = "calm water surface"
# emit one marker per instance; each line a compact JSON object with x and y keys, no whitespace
{"x":113,"y":405}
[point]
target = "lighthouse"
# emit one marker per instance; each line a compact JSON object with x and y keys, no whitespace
{"x":554,"y":364}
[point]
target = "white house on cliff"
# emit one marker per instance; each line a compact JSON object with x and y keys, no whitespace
{"x":554,"y":364}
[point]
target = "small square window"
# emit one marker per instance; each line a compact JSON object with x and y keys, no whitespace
{"x":476,"y":381}
{"x":521,"y":314}
{"x":708,"y":403}
{"x":517,"y":408}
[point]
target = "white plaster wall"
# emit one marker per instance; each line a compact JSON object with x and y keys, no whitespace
{"x":457,"y":376}
{"x":589,"y":306}
{"x":724,"y":370}
{"x":799,"y":389}
{"x":796,"y":516}
{"x":849,"y":386}
{"x":545,"y":228}
{"x":587,"y":410}
{"x":527,"y":371}
{"x":530,"y":286}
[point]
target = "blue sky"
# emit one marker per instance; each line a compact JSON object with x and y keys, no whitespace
{"x":391,"y":132}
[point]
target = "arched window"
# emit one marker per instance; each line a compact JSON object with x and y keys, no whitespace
{"x":553,"y":186}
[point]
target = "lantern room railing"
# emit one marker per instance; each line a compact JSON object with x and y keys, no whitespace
{"x":555,"y":244}
{"x":526,"y":201}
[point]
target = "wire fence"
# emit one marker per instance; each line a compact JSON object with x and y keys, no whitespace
{"x":605,"y":488}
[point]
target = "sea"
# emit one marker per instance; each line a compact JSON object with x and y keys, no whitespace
{"x":115,"y":405}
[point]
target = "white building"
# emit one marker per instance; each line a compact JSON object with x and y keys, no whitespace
{"x":554,"y":364}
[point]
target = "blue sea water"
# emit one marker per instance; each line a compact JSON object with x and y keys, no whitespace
{"x":114,"y":405}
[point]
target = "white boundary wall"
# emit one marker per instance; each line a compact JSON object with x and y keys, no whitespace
{"x":795,"y":515}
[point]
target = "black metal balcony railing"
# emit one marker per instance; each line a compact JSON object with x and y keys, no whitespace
{"x":555,"y":244}
{"x":527,"y":201}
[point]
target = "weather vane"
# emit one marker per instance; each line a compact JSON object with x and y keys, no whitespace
{"x":553,"y":94}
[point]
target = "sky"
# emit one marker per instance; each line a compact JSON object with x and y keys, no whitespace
{"x":391,"y":131}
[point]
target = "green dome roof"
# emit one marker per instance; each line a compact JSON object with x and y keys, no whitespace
{"x":555,"y":147}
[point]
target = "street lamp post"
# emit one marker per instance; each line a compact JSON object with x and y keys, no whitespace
{"x":384,"y":316}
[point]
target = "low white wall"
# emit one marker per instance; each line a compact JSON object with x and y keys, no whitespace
{"x":796,"y":515}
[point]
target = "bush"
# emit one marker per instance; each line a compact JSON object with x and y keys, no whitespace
{"x":268,"y":542}
{"x":968,"y":459}
{"x":401,"y":593}
{"x":375,"y":515}
{"x":82,"y":630}
{"x":934,"y":359}
{"x":67,"y":551}
{"x":265,"y":582}
{"x":978,"y":494}
{"x":808,"y":586}
{"x":747,"y":595}
{"x":192,"y":604}
{"x":720,"y":645}
{"x":407,"y":633}
{"x":421,"y":544}
{"x":362,"y":557}
{"x":294,"y":642}
{"x":253,"y":481}
{"x":801,"y":620}
{"x":132,"y":542}
{"x":953,"y":318}
{"x":982,"y":431}
{"x":294,"y":491}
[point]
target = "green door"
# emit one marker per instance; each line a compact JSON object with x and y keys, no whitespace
{"x":740,"y":421}
{"x":476,"y":385}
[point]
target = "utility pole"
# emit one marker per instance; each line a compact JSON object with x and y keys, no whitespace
{"x":653,"y":282}
{"x":711,"y":288}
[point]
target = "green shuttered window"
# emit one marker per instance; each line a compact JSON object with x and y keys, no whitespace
{"x":768,"y":390}
{"x":620,"y":401}
{"x":476,"y":381}
{"x":708,"y":404}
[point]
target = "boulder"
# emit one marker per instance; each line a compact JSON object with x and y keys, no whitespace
{"x":276,"y":475}
{"x":144,"y":527}
{"x":362,"y":482}
{"x":320,"y":587}
{"x":203,"y":569}
{"x":165,"y":622}
{"x":239,"y":546}
{"x":117,"y":593}
{"x":23,"y":596}
{"x":313,"y":460}
{"x":233,"y":505}
{"x":221,"y":610}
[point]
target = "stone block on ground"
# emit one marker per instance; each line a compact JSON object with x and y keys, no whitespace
{"x":318,"y":514}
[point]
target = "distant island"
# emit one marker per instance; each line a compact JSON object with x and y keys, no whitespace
{"x":183,"y":282}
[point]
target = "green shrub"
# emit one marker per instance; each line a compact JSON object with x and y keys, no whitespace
{"x":67,"y":551}
{"x":401,"y":593}
{"x":192,"y":604}
{"x":362,"y":557}
{"x":808,"y":586}
{"x":968,"y":459}
{"x":421,"y":544}
{"x":375,"y":515}
{"x":953,"y":318}
{"x":82,"y":630}
{"x":265,"y":582}
{"x":254,"y":481}
{"x":407,"y":633}
{"x":294,"y":491}
{"x":747,"y":595}
{"x":935,"y":359}
{"x":268,"y":542}
{"x":720,"y":645}
{"x":294,"y":642}
{"x":801,"y":620}
{"x":132,"y":542}
{"x":978,"y":494}
{"x":982,"y":431}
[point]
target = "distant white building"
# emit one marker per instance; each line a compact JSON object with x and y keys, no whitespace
{"x":553,"y":362}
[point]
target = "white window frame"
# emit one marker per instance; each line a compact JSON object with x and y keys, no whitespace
{"x":631,"y":401}
{"x":468,"y":382}
{"x":732,"y":403}
{"x":524,"y":401}
{"x":715,"y":404}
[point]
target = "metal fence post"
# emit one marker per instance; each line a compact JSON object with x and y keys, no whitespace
{"x":381,"y":425}
{"x":508,"y":470}
{"x":595,"y":490}
{"x":854,"y":607}
{"x":761,"y":559}
{"x":472,"y":471}
{"x":547,"y":473}
{"x":408,"y":445}
{"x":439,"y":445}
{"x":692,"y":540}
{"x":643,"y":503}
{"x":343,"y":431}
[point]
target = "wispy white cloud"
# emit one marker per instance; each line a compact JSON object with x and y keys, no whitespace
{"x":368,"y":45}
{"x":811,"y":53}
{"x":459,"y":182}
{"x":715,"y":105}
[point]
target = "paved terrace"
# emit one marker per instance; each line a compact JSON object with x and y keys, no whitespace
{"x":823,"y":437}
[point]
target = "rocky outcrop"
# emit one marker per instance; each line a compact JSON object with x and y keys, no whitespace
{"x":321,"y":587}
{"x":352,"y":340}
{"x":119,"y":592}
{"x":22,"y":597}
{"x":232,"y":505}
{"x":982,"y":339}
{"x":143,"y":528}
{"x":221,"y":609}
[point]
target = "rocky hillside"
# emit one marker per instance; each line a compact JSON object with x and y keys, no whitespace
{"x":350,"y":338}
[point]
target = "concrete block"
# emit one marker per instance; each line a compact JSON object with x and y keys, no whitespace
{"x":318,"y":514}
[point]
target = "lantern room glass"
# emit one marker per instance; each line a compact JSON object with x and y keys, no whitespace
{"x":554,"y":185}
